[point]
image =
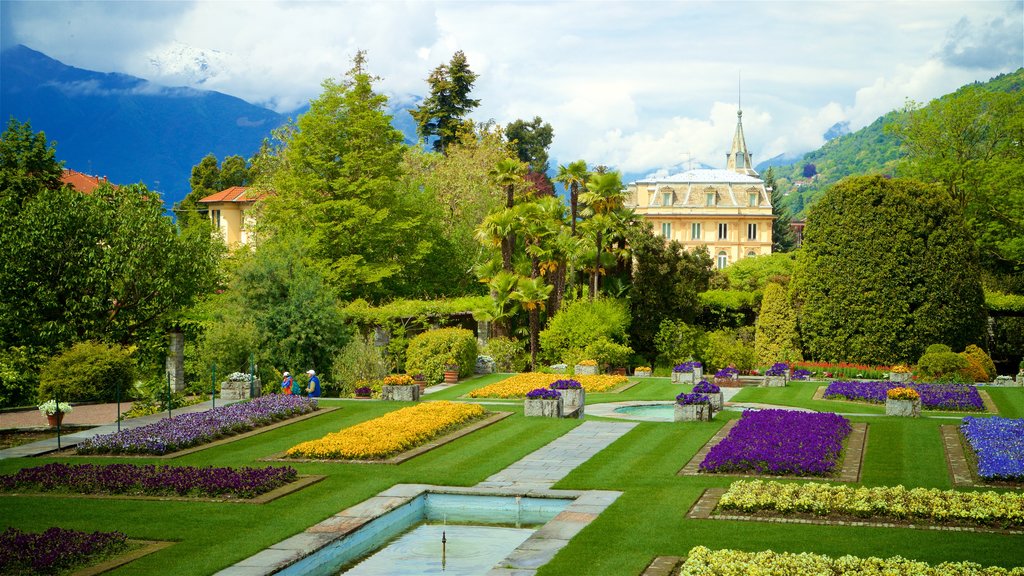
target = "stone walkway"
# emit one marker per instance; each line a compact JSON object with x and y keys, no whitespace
{"x":544,"y":467}
{"x":66,"y":441}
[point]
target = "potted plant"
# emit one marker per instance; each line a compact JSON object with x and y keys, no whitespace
{"x":363,"y":392}
{"x":899,"y":373}
{"x":692,"y":408}
{"x":420,"y":381}
{"x":543,"y":402}
{"x":400,"y":387}
{"x":687,"y":372}
{"x":586,"y":367}
{"x":712,"y":391}
{"x":643,"y":372}
{"x":727,"y":376}
{"x":451,"y":371}
{"x":776,"y":375}
{"x":902,"y":402}
{"x":54,"y":412}
{"x":573,"y":395}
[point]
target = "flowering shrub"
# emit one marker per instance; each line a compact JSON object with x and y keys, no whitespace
{"x":56,"y":550}
{"x":800,"y":374}
{"x":517,"y":386}
{"x":392,"y":433}
{"x":587,"y":363}
{"x":51,"y":407}
{"x":702,"y":561}
{"x":902,"y":394}
{"x":148,"y":480}
{"x":777,"y":369}
{"x":687,"y":399}
{"x":780,"y":442}
{"x":727,"y":372}
{"x":999,"y":445}
{"x":687,"y":366}
{"x":889,"y":502}
{"x":185,"y":430}
{"x":566,"y":385}
{"x":543,"y":394}
{"x":959,"y":397}
{"x":398,"y":380}
{"x":705,"y":387}
{"x":363,"y":391}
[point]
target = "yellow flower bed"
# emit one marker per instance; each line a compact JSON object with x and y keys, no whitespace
{"x":704,"y":562}
{"x":390,"y":434}
{"x":903,"y":394}
{"x":930,"y":504}
{"x":517,"y":386}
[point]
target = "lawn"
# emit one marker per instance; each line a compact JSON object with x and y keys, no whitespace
{"x":647,"y":521}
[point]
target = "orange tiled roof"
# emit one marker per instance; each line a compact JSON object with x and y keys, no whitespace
{"x":82,"y":182}
{"x":234,"y":194}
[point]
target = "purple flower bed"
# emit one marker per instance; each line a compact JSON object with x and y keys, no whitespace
{"x":687,"y":399}
{"x":800,"y":374}
{"x":148,"y":480}
{"x":958,"y":397}
{"x":566,"y":385}
{"x":727,"y":373}
{"x":999,"y":444}
{"x":55,"y":551}
{"x":777,"y":369}
{"x":543,"y":394}
{"x":780,"y":442}
{"x":186,"y":430}
{"x":687,"y":366}
{"x":705,"y":387}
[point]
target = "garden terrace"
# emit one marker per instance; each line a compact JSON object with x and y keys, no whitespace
{"x":952,"y":397}
{"x":519,"y":385}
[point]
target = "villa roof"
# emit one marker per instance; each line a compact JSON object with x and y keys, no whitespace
{"x":82,"y":182}
{"x":234,"y":194}
{"x":703,"y":176}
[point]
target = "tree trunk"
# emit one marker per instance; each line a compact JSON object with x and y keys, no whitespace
{"x":597,"y":268}
{"x":506,"y":252}
{"x":534,"y":336}
{"x":574,"y":195}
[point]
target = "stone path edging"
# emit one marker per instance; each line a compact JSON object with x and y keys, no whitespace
{"x":149,"y":546}
{"x":708,"y":501}
{"x":662,"y":566}
{"x":960,"y":471}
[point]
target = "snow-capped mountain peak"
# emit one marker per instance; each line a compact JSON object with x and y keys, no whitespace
{"x":180,"y":63}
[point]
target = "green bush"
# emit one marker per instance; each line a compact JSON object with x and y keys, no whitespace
{"x":19,"y":376}
{"x":730,"y":348}
{"x":936,"y":365}
{"x":430,"y":351}
{"x":984,"y":360}
{"x":677,"y":342}
{"x":776,"y":339}
{"x":937,"y":349}
{"x":608,"y":354}
{"x":579,"y":323}
{"x":88,"y":372}
{"x":509,"y":354}
{"x":360,"y":359}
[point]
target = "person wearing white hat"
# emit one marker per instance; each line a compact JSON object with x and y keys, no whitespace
{"x":314,"y":384}
{"x":286,"y":384}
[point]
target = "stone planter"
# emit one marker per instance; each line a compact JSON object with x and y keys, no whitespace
{"x":910,"y":408}
{"x":698,"y":373}
{"x":899,"y":377}
{"x":773,"y":381}
{"x":401,"y":393}
{"x":582,"y":370}
{"x":573,"y":398}
{"x":543,"y":407}
{"x":642,"y":373}
{"x":1004,"y":381}
{"x":693,"y":413}
{"x":717,"y":399}
{"x":451,"y":376}
{"x":238,"y":388}
{"x":684,"y":378}
{"x":1020,"y":378}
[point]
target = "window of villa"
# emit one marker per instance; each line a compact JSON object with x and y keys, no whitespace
{"x":666,"y":199}
{"x":752,"y":231}
{"x":723,"y":231}
{"x":215,"y":216}
{"x":751,"y":253}
{"x":723,"y":260}
{"x":753,"y":200}
{"x":711,"y":198}
{"x":695,"y":231}
{"x":666,"y":229}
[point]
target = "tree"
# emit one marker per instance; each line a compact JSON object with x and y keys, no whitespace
{"x":444,"y":113}
{"x":531,"y":141}
{"x":28,"y":165}
{"x":776,"y":338}
{"x":783,"y":239}
{"x":810,"y":170}
{"x":887,"y":268}
{"x":338,"y":183}
{"x":666,"y":282}
{"x":603,"y":197}
{"x":208,"y":177}
{"x":574,"y":177}
{"x":533,"y":294}
{"x":508,"y":174}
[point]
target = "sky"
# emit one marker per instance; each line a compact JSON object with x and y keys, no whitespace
{"x":641,"y":86}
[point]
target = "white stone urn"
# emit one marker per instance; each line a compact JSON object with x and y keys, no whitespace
{"x":693,"y":413}
{"x":907,"y":408}
{"x":401,"y":393}
{"x":543,"y":407}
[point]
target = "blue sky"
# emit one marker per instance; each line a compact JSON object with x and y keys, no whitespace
{"x":634,"y":85}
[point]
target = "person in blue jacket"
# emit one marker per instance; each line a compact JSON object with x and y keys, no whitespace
{"x":314,"y":385}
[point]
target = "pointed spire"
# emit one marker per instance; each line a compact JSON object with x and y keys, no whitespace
{"x":739,"y":159}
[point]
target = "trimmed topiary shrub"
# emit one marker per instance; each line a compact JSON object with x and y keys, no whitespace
{"x":677,"y":341}
{"x":776,"y":338}
{"x":580,"y":323}
{"x":974,"y":371}
{"x":608,"y":354}
{"x":984,"y":360}
{"x":88,"y":372}
{"x":430,"y":351}
{"x":887,"y":266}
{"x":730,"y":348}
{"x":936,"y":365}
{"x":508,"y":354}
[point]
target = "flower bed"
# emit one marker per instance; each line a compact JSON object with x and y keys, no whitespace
{"x":701,"y":561}
{"x":391,"y":433}
{"x":148,"y":480}
{"x":186,"y":430}
{"x":780,"y":442}
{"x":517,"y":386}
{"x":889,"y":502}
{"x":958,"y":397}
{"x":56,"y":550}
{"x":999,"y":446}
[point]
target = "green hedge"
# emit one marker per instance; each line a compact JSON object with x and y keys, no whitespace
{"x":429,"y":351}
{"x":88,"y":372}
{"x":361,"y":312}
{"x":1000,"y":302}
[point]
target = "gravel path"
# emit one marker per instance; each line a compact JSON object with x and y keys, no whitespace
{"x":82,"y":415}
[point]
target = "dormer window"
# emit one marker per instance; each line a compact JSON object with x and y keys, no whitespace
{"x":754,"y":199}
{"x":711,"y":198}
{"x":666,"y":199}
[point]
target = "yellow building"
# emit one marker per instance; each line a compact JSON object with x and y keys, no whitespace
{"x":230,"y":212}
{"x":729,"y":211}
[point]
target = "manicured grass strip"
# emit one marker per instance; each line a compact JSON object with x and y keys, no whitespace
{"x":137,"y":549}
{"x":390,"y":434}
{"x":517,"y":386}
{"x":55,"y":550}
{"x":891,"y":503}
{"x":702,"y":561}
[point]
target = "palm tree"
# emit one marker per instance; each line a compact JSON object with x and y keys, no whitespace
{"x":506,"y":174}
{"x":603,"y":197}
{"x":574,"y":176}
{"x":533,"y":294}
{"x":498,"y":229}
